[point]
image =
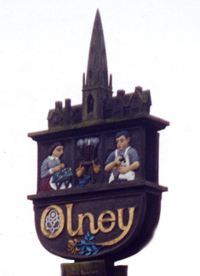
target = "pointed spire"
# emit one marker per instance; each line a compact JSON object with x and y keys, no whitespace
{"x":97,"y":72}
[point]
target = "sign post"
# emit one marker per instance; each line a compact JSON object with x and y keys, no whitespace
{"x":98,"y":194}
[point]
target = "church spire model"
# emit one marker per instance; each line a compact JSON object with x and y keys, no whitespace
{"x":96,"y":89}
{"x":97,"y":72}
{"x":98,"y":104}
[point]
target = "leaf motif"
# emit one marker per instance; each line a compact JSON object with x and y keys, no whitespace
{"x":94,"y":247}
{"x":81,"y":252}
{"x":91,"y":237}
{"x":88,"y":248}
{"x":82,"y":241}
{"x":88,"y":253}
{"x":95,"y":252}
{"x":83,"y":247}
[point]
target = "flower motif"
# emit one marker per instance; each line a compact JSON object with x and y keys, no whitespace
{"x":52,"y":221}
{"x":84,"y":247}
{"x":72,"y":248}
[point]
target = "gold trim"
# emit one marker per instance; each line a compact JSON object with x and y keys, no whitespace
{"x":125,"y":229}
{"x":61,"y":224}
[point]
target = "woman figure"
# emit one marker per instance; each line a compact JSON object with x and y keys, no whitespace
{"x":53,"y":171}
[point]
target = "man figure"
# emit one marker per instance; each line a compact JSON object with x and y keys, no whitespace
{"x":123,"y":161}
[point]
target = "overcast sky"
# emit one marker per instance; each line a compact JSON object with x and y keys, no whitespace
{"x":44,"y":49}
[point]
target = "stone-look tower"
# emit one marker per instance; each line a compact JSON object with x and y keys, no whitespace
{"x":98,"y":104}
{"x":96,"y":89}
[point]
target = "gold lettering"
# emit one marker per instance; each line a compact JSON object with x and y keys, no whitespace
{"x":102,"y":220}
{"x":69,"y":221}
{"x":43,"y":222}
{"x":124,"y":228}
{"x":81,"y":217}
{"x":121,"y":218}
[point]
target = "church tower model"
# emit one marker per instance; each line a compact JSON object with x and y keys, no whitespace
{"x":98,"y":103}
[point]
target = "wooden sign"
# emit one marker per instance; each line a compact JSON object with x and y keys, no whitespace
{"x":98,"y":194}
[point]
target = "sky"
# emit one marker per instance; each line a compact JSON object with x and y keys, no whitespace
{"x":44,"y":49}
